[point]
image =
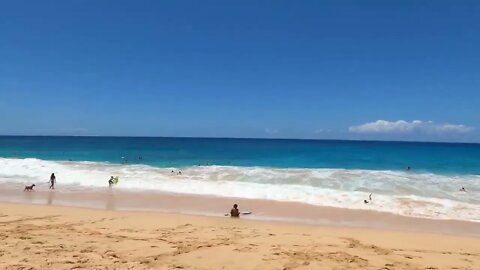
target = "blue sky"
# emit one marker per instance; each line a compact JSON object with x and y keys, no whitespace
{"x":405,"y":70}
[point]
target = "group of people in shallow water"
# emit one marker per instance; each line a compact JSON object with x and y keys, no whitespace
{"x":234,"y":212}
{"x":407,"y":169}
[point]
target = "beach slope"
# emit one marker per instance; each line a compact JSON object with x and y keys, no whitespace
{"x":47,"y":237}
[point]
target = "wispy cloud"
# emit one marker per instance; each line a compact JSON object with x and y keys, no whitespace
{"x":271,"y":131}
{"x":402,"y":126}
{"x":321,"y":130}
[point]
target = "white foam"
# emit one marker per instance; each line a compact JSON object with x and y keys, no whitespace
{"x":404,"y":193}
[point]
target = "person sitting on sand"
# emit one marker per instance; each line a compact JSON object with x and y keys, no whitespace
{"x":235,"y":213}
{"x":462,"y":189}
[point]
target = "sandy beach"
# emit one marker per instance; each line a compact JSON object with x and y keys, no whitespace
{"x":239,"y":135}
{"x":53,"y":237}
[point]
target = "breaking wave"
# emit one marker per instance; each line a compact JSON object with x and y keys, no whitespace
{"x":403,"y":193}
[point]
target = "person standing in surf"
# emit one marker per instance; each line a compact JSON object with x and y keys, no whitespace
{"x":53,"y":179}
{"x":110,"y":182}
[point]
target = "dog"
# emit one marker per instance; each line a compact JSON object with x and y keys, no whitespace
{"x":29,"y":188}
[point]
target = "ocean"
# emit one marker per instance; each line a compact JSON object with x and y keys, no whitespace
{"x":317,"y":172}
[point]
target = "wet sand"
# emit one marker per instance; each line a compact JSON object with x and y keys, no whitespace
{"x":287,"y":212}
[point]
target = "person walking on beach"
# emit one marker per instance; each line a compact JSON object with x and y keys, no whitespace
{"x":235,"y":213}
{"x":53,"y":179}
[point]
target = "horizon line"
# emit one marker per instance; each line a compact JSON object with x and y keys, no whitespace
{"x":240,"y":138}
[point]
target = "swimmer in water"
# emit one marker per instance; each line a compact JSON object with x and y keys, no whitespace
{"x":462,"y":189}
{"x":370,"y":196}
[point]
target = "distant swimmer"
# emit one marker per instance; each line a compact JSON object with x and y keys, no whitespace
{"x":462,"y":189}
{"x":408,"y":168}
{"x":365,"y":201}
{"x":53,"y":180}
{"x":370,"y":197}
{"x":235,"y":213}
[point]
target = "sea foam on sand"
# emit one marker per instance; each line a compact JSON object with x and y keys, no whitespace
{"x":403,"y":193}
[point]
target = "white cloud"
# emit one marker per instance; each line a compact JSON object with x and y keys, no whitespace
{"x":453,"y":128}
{"x":402,"y":126}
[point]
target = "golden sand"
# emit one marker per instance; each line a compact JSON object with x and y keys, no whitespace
{"x":50,"y":237}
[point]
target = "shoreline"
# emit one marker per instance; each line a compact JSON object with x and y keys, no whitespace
{"x":53,"y":237}
{"x":263,"y":210}
{"x":399,"y":193}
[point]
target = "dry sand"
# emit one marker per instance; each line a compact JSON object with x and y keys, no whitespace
{"x":51,"y":237}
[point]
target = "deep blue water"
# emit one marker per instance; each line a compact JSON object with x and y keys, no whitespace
{"x":446,"y":158}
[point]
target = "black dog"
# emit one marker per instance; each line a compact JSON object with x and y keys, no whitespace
{"x":29,"y":188}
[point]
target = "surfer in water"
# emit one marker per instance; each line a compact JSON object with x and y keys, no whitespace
{"x":53,"y":179}
{"x":235,"y":213}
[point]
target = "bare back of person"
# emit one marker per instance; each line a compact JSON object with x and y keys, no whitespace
{"x":235,"y":212}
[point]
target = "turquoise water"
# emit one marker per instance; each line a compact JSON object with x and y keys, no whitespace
{"x":325,"y":173}
{"x":444,"y":158}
